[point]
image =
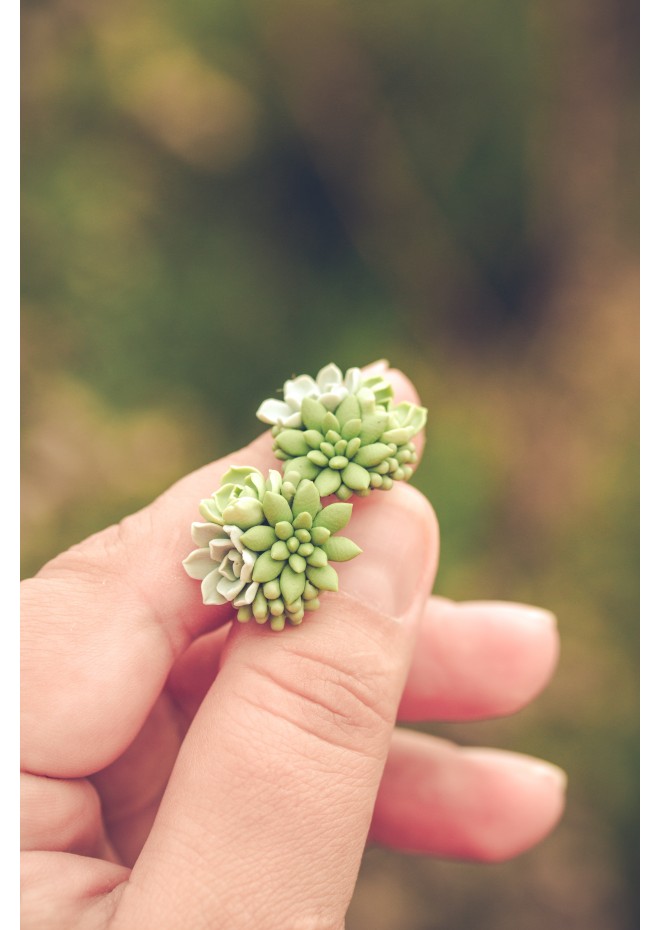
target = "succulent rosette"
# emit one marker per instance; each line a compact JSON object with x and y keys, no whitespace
{"x":343,"y":432}
{"x":265,"y":546}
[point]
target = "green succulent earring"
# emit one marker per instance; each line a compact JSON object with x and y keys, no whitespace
{"x":265,"y":546}
{"x":266,"y":542}
{"x":342,"y":431}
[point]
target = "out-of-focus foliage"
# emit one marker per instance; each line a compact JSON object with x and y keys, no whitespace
{"x":210,"y":185}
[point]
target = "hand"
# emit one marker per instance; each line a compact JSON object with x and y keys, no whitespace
{"x":159,"y":793}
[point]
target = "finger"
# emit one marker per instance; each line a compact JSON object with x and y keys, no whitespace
{"x":58,"y":814}
{"x":104,"y":622}
{"x":471,"y":660}
{"x":486,"y":805}
{"x":479,"y":659}
{"x":268,"y":807}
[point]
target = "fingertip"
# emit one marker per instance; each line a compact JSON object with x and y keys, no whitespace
{"x":404,"y":389}
{"x":528,"y":794}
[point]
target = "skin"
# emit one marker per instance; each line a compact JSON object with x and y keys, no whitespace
{"x":179,"y":770}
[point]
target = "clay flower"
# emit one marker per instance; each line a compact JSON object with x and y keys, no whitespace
{"x":266,"y":545}
{"x":344,"y":434}
{"x":329,"y":387}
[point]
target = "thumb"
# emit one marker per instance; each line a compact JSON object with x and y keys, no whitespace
{"x":267,"y":812}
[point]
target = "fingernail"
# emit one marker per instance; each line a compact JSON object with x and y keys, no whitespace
{"x":508,"y":610}
{"x":526,"y":767}
{"x":398,"y":559}
{"x":376,"y":367}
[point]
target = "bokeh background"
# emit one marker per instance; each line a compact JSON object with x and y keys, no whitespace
{"x":218,"y":194}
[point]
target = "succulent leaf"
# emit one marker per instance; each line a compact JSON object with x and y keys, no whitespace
{"x":292,"y":441}
{"x":276,"y":508}
{"x":341,"y":549}
{"x":334,"y":517}
{"x":266,"y":568}
{"x":259,"y":538}
{"x":325,"y":579}
{"x":292,"y":584}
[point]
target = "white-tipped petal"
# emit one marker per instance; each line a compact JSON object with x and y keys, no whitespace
{"x":235,"y":535}
{"x":274,"y":483}
{"x":219,"y":548}
{"x":203,"y":533}
{"x":294,"y":421}
{"x":328,"y":377}
{"x":226,"y":568}
{"x":229,"y":588}
{"x":210,"y":593}
{"x":247,"y":595}
{"x":298,"y":389}
{"x":199,"y":563}
{"x":331,"y":399}
{"x":249,"y":558}
{"x":353,"y":380}
{"x":273,"y":411}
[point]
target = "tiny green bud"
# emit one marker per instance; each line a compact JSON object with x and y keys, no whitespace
{"x":271,"y":589}
{"x":306,"y":549}
{"x":317,"y":558}
{"x":279,"y":550}
{"x":327,"y":449}
{"x":283,"y":529}
{"x":355,"y":477}
{"x":303,"y":535}
{"x":313,"y":438}
{"x":310,"y":591}
{"x":292,"y":544}
{"x":260,"y":606}
{"x":297,"y":563}
{"x":351,"y":430}
{"x":303,"y":521}
{"x":320,"y":535}
{"x":319,"y":458}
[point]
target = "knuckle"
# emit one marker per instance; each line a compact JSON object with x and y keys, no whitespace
{"x":340,"y":706}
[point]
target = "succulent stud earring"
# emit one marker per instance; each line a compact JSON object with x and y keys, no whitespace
{"x":343,"y":432}
{"x":265,"y":543}
{"x":265,"y":546}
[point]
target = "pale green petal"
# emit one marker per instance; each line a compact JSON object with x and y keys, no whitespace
{"x":210,"y":512}
{"x":199,"y":563}
{"x":203,"y":533}
{"x":210,"y":593}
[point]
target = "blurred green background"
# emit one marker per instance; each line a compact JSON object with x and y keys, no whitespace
{"x":218,"y":194}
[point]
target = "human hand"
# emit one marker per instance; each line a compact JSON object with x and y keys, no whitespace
{"x":157,"y":792}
